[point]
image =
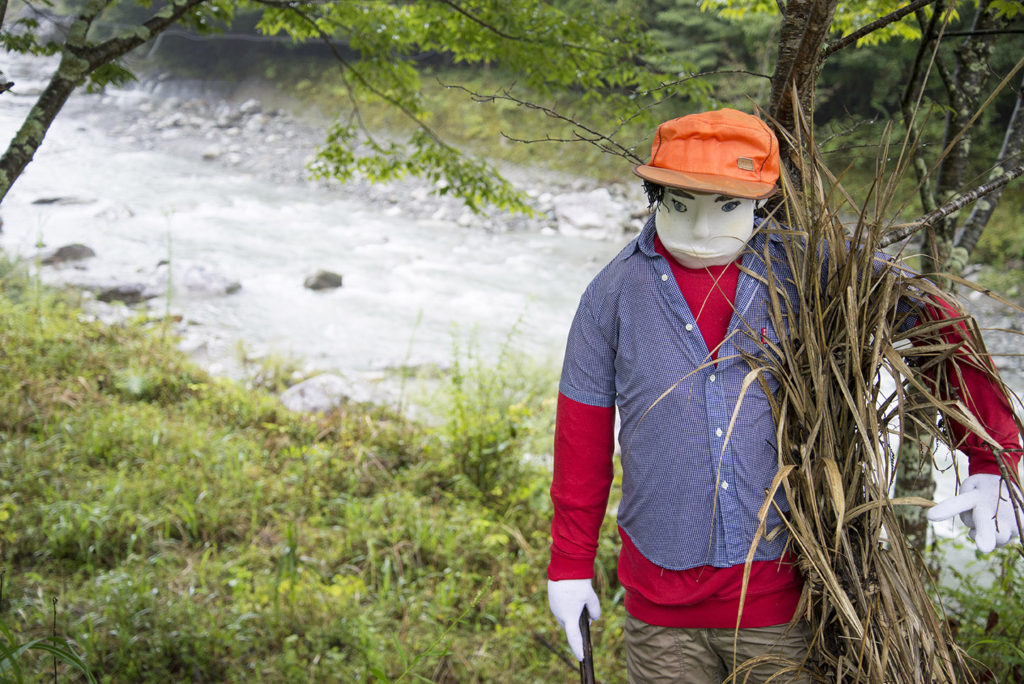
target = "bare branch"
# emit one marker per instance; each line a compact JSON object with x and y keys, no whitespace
{"x":703,"y":74}
{"x":877,"y":24}
{"x":983,"y":32}
{"x":603,"y":141}
{"x":953,"y":206}
{"x":363,"y":81}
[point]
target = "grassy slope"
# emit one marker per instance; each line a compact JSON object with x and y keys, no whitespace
{"x":192,"y":529}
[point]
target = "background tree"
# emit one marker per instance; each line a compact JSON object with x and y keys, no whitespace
{"x":593,"y":51}
{"x":84,"y":59}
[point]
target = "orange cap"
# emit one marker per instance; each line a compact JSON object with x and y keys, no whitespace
{"x":724,"y":151}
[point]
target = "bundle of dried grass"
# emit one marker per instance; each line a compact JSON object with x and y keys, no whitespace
{"x":853,"y":383}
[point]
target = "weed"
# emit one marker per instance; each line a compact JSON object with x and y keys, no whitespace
{"x":195,"y":529}
{"x":493,"y":411}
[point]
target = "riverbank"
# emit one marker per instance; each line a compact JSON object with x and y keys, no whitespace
{"x":251,"y":129}
{"x":204,"y":208}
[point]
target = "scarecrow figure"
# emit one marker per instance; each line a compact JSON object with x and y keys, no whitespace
{"x":660,"y":334}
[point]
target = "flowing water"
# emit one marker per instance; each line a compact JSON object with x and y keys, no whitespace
{"x":411,"y":285}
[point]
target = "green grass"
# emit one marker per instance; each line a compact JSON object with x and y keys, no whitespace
{"x":193,"y":529}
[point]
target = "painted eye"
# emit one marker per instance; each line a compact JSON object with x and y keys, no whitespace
{"x":678,"y":206}
{"x":729,"y":206}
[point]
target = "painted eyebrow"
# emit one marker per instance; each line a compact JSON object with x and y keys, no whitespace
{"x":724,"y":198}
{"x":680,"y":193}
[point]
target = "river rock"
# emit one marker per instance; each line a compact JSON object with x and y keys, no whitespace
{"x":226,"y":117}
{"x":251,"y":106}
{"x":128,"y":293}
{"x":200,"y":279}
{"x":323,"y":280}
{"x":73,"y":252}
{"x":592,"y":214}
{"x":172,"y":120}
{"x":62,"y":201}
{"x":319,"y":394}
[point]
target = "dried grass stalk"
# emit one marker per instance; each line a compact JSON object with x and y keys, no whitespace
{"x":850,"y":316}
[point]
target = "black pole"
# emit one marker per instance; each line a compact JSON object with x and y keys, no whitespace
{"x":587,"y":664}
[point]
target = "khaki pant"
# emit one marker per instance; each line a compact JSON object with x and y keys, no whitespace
{"x":705,"y":656}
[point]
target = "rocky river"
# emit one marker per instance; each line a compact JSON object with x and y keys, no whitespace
{"x":194,"y":199}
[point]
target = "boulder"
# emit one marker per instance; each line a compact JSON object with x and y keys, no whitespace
{"x":319,"y":394}
{"x":323,"y":280}
{"x":251,"y":106}
{"x":128,"y":293}
{"x":62,"y":201}
{"x":226,"y":117}
{"x":73,"y":252}
{"x":199,"y":279}
{"x":592,"y":214}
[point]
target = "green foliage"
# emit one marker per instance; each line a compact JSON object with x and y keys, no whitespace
{"x":849,"y":16}
{"x":475,"y":181}
{"x":985,"y":607}
{"x":1008,"y":8}
{"x":12,"y":652}
{"x":19,"y":36}
{"x":109,"y":74}
{"x":703,"y":42}
{"x":738,"y":9}
{"x":592,"y":52}
{"x":193,"y":527}
{"x":494,"y":411}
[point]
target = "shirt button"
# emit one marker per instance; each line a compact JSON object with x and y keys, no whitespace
{"x":664,"y":277}
{"x":718,"y":432}
{"x":712,"y":378}
{"x":725,"y":485}
{"x":689,"y":327}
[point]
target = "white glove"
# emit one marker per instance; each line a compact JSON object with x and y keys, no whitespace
{"x":567,"y":599}
{"x":985,"y":507}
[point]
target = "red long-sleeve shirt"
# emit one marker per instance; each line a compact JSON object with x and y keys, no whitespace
{"x":707,"y":596}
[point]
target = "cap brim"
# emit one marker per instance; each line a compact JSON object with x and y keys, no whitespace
{"x":704,"y":182}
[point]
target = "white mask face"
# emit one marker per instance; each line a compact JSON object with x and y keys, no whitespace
{"x":701,"y":230}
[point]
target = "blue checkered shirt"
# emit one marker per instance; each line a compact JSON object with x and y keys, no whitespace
{"x":694,"y":476}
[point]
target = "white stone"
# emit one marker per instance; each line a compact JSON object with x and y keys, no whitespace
{"x":318,"y":394}
{"x":592,"y":214}
{"x":251,"y":106}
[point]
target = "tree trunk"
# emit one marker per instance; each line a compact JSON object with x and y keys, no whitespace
{"x":1013,"y":148}
{"x":963,"y":89}
{"x":79,"y":58}
{"x":805,"y":26}
{"x":23,"y":146}
{"x":914,"y":478}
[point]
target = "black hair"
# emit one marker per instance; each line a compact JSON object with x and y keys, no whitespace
{"x":655,"y":193}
